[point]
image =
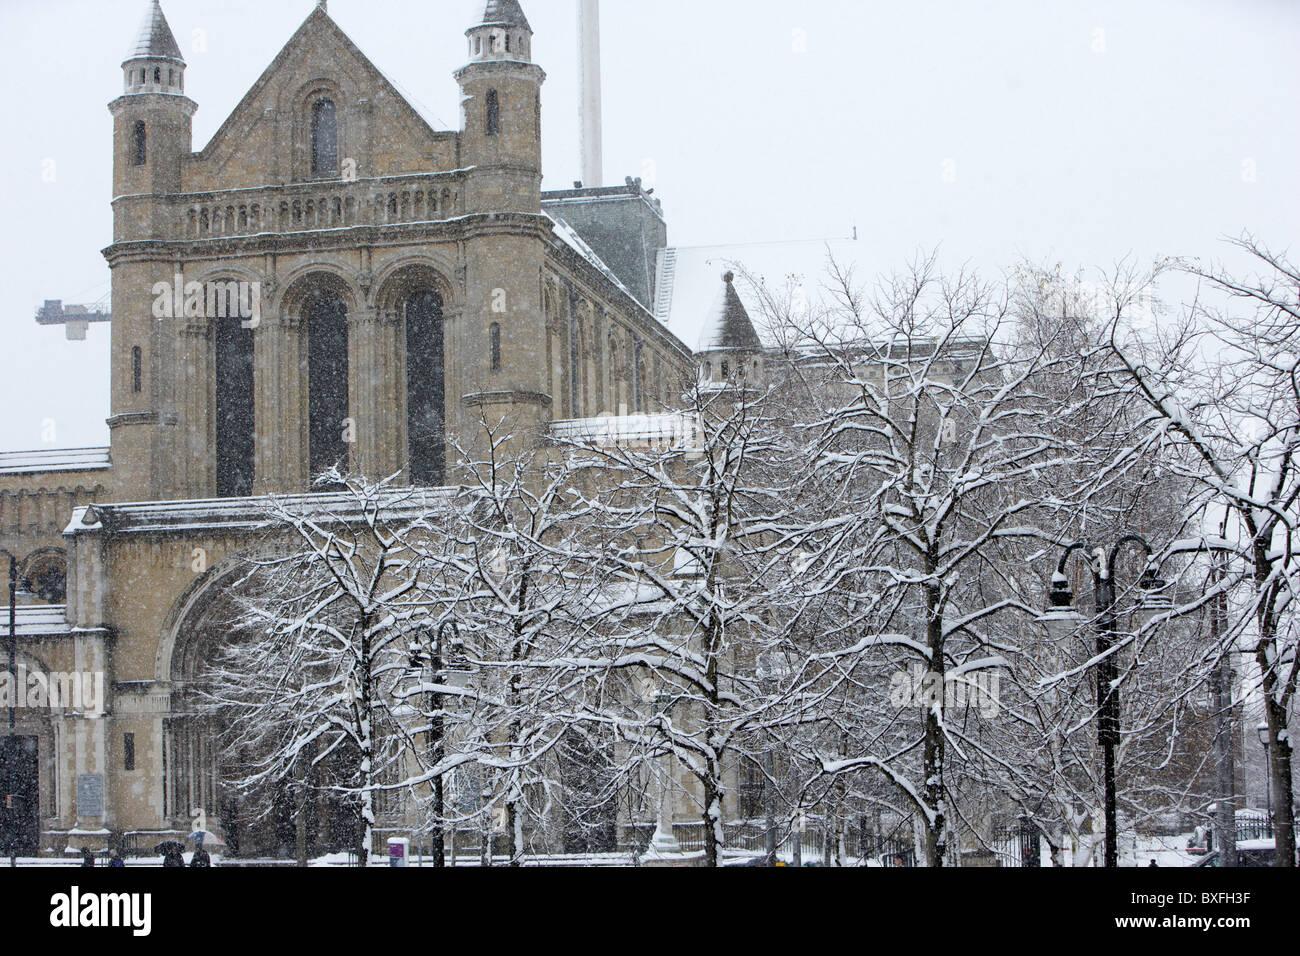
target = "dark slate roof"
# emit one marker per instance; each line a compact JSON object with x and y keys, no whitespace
{"x":155,"y":38}
{"x":728,"y":325}
{"x":507,"y":12}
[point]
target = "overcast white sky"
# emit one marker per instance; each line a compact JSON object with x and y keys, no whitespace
{"x":1078,"y":132}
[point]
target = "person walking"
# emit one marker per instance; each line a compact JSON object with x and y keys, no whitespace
{"x":172,"y":854}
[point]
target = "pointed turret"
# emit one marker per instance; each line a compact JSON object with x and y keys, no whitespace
{"x":154,"y":63}
{"x":507,"y":13}
{"x":728,"y":325}
{"x":502,"y":33}
{"x":729,"y":348}
{"x":501,"y":130}
{"x":152,"y":132}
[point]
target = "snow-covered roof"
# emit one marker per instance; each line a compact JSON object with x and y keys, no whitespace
{"x":61,"y":459}
{"x":40,"y":620}
{"x":727,"y":324}
{"x":686,"y":292}
{"x":627,"y":429}
{"x":247,"y":513}
{"x":155,"y":39}
{"x":570,"y":238}
{"x":505,"y":12}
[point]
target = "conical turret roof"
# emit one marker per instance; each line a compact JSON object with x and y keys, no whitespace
{"x":506,"y":12}
{"x":155,"y":39}
{"x":727,"y":325}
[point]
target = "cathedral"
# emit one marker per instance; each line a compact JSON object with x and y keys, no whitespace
{"x":329,"y":280}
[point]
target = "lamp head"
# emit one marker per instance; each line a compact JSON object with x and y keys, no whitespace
{"x":1061,"y":618}
{"x":1060,"y":597}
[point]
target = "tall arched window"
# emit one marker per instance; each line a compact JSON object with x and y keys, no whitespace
{"x":324,"y":139}
{"x":638,"y":374}
{"x":425,"y":394}
{"x":494,"y":345}
{"x":137,"y":369}
{"x":140,"y":143}
{"x":327,"y":382}
{"x":493,"y":113}
{"x":234,"y":388}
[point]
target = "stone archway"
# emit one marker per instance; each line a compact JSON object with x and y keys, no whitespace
{"x":207,"y":767}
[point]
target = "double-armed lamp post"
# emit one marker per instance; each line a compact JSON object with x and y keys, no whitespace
{"x":1062,"y":615}
{"x":430,"y":653}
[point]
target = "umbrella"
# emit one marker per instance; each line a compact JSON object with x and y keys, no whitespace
{"x":167,"y":846}
{"x":207,"y":837}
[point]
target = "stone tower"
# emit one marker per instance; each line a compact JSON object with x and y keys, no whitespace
{"x":501,"y":90}
{"x":500,"y":151}
{"x":152,"y":136}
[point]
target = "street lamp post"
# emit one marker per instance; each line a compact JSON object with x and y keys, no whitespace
{"x":1061,"y":610}
{"x":431,"y":654}
{"x":1262,"y":732}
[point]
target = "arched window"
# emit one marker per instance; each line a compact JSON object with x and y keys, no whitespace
{"x":324,"y":139}
{"x":137,"y":369}
{"x":638,"y":378}
{"x":494,"y":345}
{"x":425,"y":395}
{"x":507,"y":42}
{"x":157,"y":75}
{"x":141,"y":142}
{"x":45,"y":574}
{"x":493,"y":113}
{"x":234,"y":388}
{"x":327,"y":382}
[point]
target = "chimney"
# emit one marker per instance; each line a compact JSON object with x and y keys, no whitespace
{"x":589,"y":52}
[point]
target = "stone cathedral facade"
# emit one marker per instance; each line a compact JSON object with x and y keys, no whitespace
{"x":329,"y":280}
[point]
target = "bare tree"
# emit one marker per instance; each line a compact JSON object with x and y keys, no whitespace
{"x":1223,"y":395}
{"x":306,"y":681}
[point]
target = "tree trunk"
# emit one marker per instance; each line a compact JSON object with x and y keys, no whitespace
{"x":300,"y":814}
{"x":1280,"y":765}
{"x":933,"y":759}
{"x":515,"y":824}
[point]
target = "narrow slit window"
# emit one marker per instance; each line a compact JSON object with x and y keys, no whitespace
{"x":493,"y":113}
{"x":494,"y":345}
{"x":128,"y":751}
{"x":141,"y":143}
{"x":137,"y":369}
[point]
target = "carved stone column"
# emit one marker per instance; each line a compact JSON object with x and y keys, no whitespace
{"x":196,"y":400}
